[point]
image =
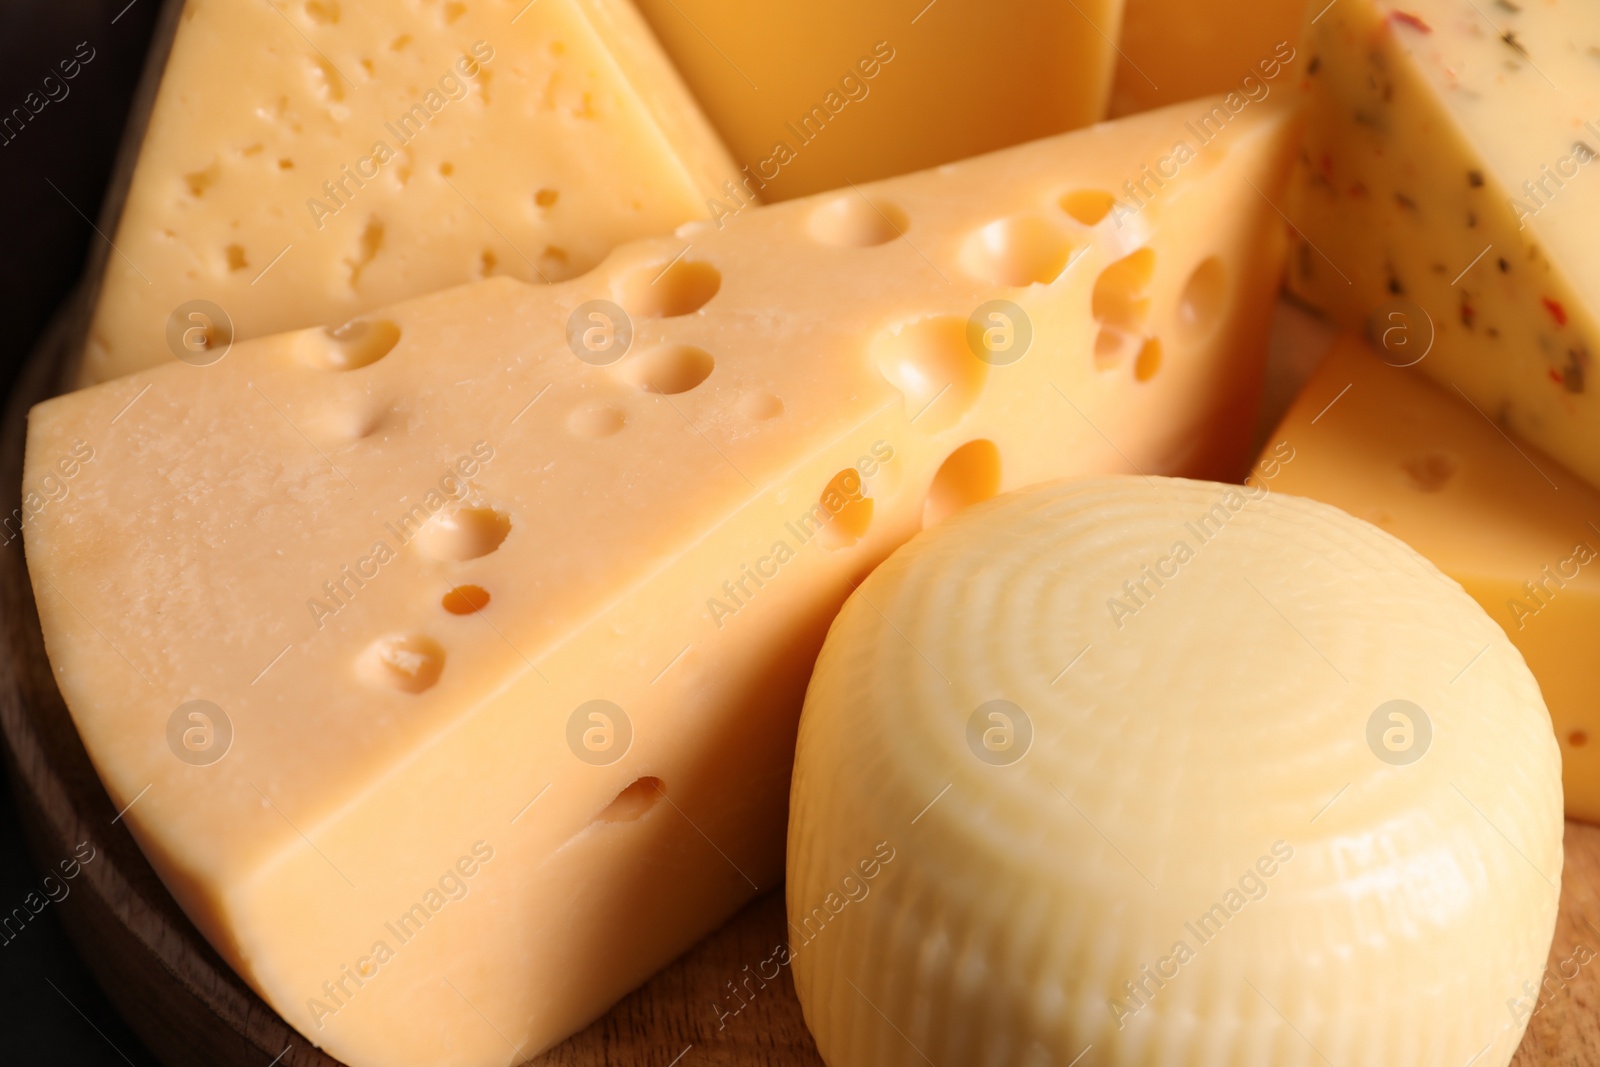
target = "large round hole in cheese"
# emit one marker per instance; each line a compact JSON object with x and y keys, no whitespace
{"x":1189,"y":773}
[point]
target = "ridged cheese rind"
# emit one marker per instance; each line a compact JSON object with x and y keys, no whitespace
{"x":1223,"y":723}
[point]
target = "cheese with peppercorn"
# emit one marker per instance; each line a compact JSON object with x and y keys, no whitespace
{"x":1449,"y":186}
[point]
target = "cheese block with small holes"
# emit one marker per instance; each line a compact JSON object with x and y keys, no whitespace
{"x":500,"y":604}
{"x":308,"y":160}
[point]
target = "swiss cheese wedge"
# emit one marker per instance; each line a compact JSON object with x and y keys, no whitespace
{"x":502,"y":602}
{"x":309,"y":160}
{"x":1520,"y":532}
{"x":1448,"y":176}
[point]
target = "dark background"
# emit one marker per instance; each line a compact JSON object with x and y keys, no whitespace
{"x":51,"y":1011}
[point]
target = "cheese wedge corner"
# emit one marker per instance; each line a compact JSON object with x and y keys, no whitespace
{"x":1447,"y":177}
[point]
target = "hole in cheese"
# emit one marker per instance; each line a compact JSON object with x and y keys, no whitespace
{"x":844,"y":511}
{"x":668,"y":369}
{"x":200,"y":180}
{"x":930,"y":363}
{"x":1204,"y":296}
{"x":465,"y":599}
{"x":410,"y":663}
{"x":370,"y":243}
{"x":1110,"y":344}
{"x":1119,"y":293}
{"x":1148,"y":361}
{"x":546,"y":198}
{"x":659,"y":291}
{"x":1088,"y":206}
{"x":357,"y":343}
{"x":461,"y":534}
{"x":236,"y":257}
{"x":639,"y":797}
{"x":1431,"y":472}
{"x":353,"y":421}
{"x":760,"y":406}
{"x":850,"y":220}
{"x":596,"y":420}
{"x":1016,"y":251}
{"x":969,"y":475}
{"x":325,"y":78}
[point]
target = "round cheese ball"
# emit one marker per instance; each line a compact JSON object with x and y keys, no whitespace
{"x":1178,"y":772}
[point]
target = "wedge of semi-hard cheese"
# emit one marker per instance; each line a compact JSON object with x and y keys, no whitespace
{"x":308,"y":161}
{"x":1173,"y":50}
{"x":502,"y":638}
{"x":1520,"y":532}
{"x":1179,"y":772}
{"x":811,"y":94}
{"x":1447,"y":166}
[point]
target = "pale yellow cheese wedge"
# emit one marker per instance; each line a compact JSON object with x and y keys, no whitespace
{"x":1520,"y":532}
{"x":1447,"y":174}
{"x":812,"y":94}
{"x":405,"y":560}
{"x":310,"y":160}
{"x":1172,"y":50}
{"x":1170,"y":772}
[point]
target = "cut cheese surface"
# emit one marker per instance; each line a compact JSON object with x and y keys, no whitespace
{"x":1447,"y":177}
{"x":308,"y":161}
{"x":509,"y":569}
{"x":1174,"y":50}
{"x":1180,"y":771}
{"x":1520,"y":532}
{"x":812,"y":94}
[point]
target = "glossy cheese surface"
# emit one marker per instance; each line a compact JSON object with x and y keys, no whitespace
{"x":310,"y":160}
{"x":405,"y":560}
{"x":1133,"y":747}
{"x":1448,"y":173}
{"x":1520,"y":532}
{"x":1174,"y":50}
{"x":812,"y":94}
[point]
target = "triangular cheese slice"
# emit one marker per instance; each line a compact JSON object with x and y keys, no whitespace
{"x":508,"y":595}
{"x":1448,"y":200}
{"x":308,"y":161}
